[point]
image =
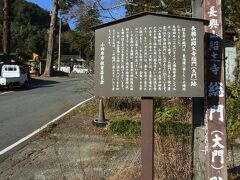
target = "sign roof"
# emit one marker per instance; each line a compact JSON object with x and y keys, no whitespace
{"x":145,"y":14}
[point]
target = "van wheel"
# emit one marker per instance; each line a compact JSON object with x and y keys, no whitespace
{"x":10,"y":86}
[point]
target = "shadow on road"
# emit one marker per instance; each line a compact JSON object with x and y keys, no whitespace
{"x":33,"y":84}
{"x":38,"y":83}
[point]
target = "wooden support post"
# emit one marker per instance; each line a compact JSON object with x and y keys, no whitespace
{"x":215,"y":121}
{"x":197,"y":117}
{"x":147,"y":133}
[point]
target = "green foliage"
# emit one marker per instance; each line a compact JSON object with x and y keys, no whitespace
{"x":232,"y":13}
{"x":66,"y":43}
{"x":177,"y":129}
{"x":166,"y":108}
{"x":28,"y":38}
{"x":172,"y":113}
{"x":29,"y":24}
{"x":174,"y":109}
{"x":29,"y":29}
{"x":169,"y":113}
{"x":28,"y":13}
{"x":233,"y":113}
{"x":125,"y":127}
{"x":68,"y":5}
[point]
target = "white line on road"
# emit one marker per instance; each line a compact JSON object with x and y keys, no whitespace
{"x":6,"y":92}
{"x":41,"y":128}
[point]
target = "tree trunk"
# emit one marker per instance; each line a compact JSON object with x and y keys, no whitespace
{"x":6,"y":32}
{"x":51,"y":40}
{"x":237,"y":68}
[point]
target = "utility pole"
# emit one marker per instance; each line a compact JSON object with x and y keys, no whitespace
{"x":59,"y":41}
{"x":6,"y":32}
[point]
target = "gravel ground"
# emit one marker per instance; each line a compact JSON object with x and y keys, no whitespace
{"x":66,"y":151}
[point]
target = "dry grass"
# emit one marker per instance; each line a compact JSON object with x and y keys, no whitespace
{"x":172,"y":161}
{"x":130,"y":170}
{"x":126,"y":173}
{"x":172,"y":158}
{"x":172,"y":155}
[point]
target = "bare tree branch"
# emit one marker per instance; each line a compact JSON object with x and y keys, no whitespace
{"x":98,"y":2}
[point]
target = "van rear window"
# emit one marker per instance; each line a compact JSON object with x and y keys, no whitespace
{"x":10,"y":68}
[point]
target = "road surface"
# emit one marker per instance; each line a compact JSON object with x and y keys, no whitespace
{"x":24,"y":111}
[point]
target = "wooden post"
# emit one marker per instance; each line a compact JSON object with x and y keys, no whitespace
{"x":147,"y":134}
{"x":197,"y":118}
{"x":215,"y":122}
{"x":197,"y":102}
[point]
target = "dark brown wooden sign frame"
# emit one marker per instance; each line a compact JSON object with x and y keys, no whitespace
{"x":150,"y":55}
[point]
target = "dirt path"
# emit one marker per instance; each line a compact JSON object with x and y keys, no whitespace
{"x":66,"y":151}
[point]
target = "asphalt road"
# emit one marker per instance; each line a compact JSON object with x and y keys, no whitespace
{"x":24,"y":111}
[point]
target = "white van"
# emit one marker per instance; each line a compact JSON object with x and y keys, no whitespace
{"x":79,"y":69}
{"x":13,"y":75}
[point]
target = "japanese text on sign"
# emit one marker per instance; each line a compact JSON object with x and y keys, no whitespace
{"x":157,"y":59}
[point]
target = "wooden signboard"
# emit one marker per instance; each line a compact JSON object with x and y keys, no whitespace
{"x":150,"y":55}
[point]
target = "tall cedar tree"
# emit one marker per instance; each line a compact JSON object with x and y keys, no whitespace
{"x":56,"y":5}
{"x":6,"y":31}
{"x":51,"y":39}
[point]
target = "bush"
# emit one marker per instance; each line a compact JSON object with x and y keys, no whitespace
{"x":169,"y":113}
{"x":177,"y":129}
{"x":173,"y":109}
{"x":126,"y":127}
{"x":233,"y":113}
